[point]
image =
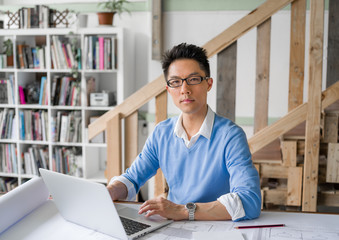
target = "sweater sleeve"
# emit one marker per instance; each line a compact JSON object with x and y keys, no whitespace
{"x":244,"y":178}
{"x":145,"y":165}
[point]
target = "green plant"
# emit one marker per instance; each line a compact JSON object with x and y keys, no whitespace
{"x":117,"y":6}
{"x":8,"y":45}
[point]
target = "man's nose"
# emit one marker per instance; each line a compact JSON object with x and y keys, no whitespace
{"x":185,"y":88}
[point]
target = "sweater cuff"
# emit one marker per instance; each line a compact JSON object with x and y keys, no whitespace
{"x":131,"y":194}
{"x":233,"y":205}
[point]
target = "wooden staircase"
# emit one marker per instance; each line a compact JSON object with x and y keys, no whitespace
{"x":224,"y":45}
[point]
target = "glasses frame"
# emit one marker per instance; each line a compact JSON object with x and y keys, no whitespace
{"x":185,"y":79}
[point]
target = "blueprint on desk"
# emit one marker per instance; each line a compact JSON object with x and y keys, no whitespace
{"x":299,"y":226}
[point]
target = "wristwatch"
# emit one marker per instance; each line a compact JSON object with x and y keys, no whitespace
{"x":191,"y":210}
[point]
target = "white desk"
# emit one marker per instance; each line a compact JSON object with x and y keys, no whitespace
{"x":45,"y":222}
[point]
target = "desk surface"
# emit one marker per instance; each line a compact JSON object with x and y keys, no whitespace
{"x":46,"y":223}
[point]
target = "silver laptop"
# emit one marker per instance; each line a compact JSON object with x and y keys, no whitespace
{"x":89,"y":204}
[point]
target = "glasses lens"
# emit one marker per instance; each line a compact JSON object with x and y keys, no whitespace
{"x":174,"y":82}
{"x":194,"y":80}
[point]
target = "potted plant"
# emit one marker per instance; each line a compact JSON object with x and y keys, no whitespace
{"x":111,"y":7}
{"x":8,"y":45}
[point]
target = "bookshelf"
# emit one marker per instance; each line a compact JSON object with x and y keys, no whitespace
{"x":47,"y":111}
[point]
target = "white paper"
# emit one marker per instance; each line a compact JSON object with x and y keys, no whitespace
{"x":234,"y":235}
{"x":22,"y":200}
{"x":47,"y":223}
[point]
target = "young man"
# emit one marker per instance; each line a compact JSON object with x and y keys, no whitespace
{"x":204,"y":157}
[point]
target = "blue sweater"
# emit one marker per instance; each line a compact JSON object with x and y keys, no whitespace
{"x":210,"y":168}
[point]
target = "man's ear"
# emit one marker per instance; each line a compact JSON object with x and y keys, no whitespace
{"x":210,"y":84}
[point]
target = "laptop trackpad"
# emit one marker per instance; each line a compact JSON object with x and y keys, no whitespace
{"x":128,"y":212}
{"x":133,"y":214}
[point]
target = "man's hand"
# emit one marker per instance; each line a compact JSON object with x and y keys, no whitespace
{"x":164,"y":208}
{"x":117,"y":190}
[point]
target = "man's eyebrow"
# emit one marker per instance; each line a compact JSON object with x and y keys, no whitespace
{"x":191,"y":74}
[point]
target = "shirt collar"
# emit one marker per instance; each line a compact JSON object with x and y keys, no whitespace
{"x":205,"y":129}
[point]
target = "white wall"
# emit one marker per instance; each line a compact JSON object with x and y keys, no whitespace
{"x":200,"y":27}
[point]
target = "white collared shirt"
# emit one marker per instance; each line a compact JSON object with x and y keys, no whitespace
{"x":231,"y":201}
{"x":205,"y":129}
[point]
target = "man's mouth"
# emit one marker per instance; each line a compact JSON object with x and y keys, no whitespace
{"x":187,"y":100}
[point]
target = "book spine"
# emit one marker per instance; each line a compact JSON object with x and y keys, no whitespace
{"x":101,"y":53}
{"x":22,"y":95}
{"x":43,"y":82}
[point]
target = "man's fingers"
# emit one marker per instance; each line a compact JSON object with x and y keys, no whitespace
{"x":148,"y":207}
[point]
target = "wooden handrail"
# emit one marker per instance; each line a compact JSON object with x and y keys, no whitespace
{"x":291,"y":120}
{"x":129,"y":105}
{"x":214,"y":46}
{"x":244,"y":25}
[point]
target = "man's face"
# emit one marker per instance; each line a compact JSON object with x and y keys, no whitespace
{"x":190,"y":99}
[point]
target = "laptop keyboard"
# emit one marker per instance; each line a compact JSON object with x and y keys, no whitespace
{"x":132,"y":227}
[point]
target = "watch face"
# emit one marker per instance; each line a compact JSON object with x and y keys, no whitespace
{"x":190,"y":205}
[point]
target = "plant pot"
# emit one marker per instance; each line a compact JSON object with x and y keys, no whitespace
{"x":10,"y":61}
{"x":106,"y":18}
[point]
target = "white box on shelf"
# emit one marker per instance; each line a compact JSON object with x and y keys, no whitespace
{"x":103,"y":99}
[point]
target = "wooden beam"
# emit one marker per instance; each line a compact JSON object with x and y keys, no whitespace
{"x":294,"y":186}
{"x":129,"y":105}
{"x":157,"y":29}
{"x":131,"y":139}
{"x":289,"y":153}
{"x":291,"y":120}
{"x":160,"y":185}
{"x":226,"y":81}
{"x":244,"y":25}
{"x":275,"y":196}
{"x":331,"y":128}
{"x":332,"y":172}
{"x":297,"y":54}
{"x":329,"y":199}
{"x":333,"y":46}
{"x":312,"y":142}
{"x":114,"y":161}
{"x":262,"y":75}
{"x":273,"y":171}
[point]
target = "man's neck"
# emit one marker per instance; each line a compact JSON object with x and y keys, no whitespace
{"x":192,"y":122}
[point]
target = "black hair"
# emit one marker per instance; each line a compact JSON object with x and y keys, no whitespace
{"x":186,"y":51}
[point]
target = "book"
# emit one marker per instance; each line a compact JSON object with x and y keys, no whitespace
{"x":22,"y":95}
{"x":63,"y":128}
{"x":3,"y":92}
{"x":42,"y":87}
{"x":36,"y":63}
{"x":21,"y":55}
{"x":66,"y":56}
{"x":41,"y":57}
{"x":29,"y":57}
{"x":101,"y":53}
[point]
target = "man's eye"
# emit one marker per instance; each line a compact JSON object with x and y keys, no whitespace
{"x":175,"y":82}
{"x":194,"y":79}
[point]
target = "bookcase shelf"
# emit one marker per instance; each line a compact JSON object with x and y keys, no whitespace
{"x":34,"y":90}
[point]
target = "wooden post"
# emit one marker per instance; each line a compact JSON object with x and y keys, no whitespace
{"x":297,"y":54}
{"x":160,"y":185}
{"x":131,"y":138}
{"x":114,"y":162}
{"x":156,"y":29}
{"x":312,"y":142}
{"x":262,"y":75}
{"x":226,"y":83}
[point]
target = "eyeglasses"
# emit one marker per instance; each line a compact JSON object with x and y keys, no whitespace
{"x":178,"y":82}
